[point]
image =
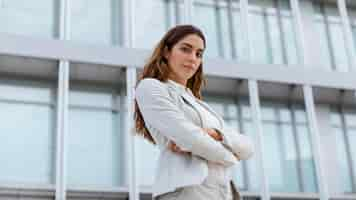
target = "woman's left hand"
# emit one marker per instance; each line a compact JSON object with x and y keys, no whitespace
{"x":214,"y":134}
{"x":176,"y":149}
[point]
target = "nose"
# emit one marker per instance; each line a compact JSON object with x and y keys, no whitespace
{"x":193,"y":57}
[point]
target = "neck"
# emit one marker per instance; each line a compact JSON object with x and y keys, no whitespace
{"x":181,"y":82}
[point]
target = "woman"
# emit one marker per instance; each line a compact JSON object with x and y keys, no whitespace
{"x":197,"y":151}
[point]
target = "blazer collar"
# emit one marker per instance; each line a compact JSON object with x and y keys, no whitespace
{"x":180,"y":88}
{"x":188,"y":96}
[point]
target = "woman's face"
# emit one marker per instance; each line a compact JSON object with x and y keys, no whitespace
{"x":185,"y":58}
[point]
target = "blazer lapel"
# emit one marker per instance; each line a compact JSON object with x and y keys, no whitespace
{"x":205,"y":105}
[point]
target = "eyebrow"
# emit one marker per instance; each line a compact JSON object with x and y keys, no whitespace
{"x":189,"y":45}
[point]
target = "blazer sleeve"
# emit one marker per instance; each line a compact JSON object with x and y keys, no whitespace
{"x":160,"y":111}
{"x":239,"y":144}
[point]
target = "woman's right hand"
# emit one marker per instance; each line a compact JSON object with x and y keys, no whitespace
{"x":213,"y":133}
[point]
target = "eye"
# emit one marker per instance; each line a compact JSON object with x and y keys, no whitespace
{"x":185,"y":49}
{"x":199,"y":54}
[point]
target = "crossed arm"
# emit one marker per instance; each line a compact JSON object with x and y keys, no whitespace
{"x":160,"y":112}
{"x":211,"y":132}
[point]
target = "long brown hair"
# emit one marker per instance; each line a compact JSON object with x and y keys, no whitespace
{"x":157,"y":67}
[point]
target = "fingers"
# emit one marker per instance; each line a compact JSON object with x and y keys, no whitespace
{"x":217,"y":136}
{"x":176,"y":149}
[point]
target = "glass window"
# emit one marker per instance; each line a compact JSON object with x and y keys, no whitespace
{"x":29,"y":18}
{"x":287,"y":148}
{"x":27,"y":131}
{"x":221,"y":23}
{"x":344,"y":140}
{"x":93,"y":138}
{"x":272,"y":32}
{"x":151,"y":26}
{"x":329,"y":28}
{"x":95,"y":22}
{"x":246,"y":174}
{"x":352,"y":17}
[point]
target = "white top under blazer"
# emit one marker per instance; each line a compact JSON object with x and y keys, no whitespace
{"x":172,"y":113}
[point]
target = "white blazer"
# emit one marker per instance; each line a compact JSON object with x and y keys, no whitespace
{"x":170,"y":115}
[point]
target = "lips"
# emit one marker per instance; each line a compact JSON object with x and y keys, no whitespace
{"x":189,"y":67}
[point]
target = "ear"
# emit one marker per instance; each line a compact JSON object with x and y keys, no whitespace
{"x":166,"y":53}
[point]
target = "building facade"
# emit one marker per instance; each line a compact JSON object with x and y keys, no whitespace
{"x":280,"y":71}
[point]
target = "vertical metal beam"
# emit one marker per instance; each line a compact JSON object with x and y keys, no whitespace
{"x":130,"y":148}
{"x":346,"y":27}
{"x":315,"y":140}
{"x":232,"y":32}
{"x":62,"y":108}
{"x":254,"y":102}
{"x":245,"y":26}
{"x":257,"y":121}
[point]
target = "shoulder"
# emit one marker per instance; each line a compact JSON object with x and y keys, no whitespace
{"x":150,"y":87}
{"x":150,"y":84}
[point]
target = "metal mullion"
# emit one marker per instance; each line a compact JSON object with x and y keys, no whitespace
{"x":16,"y":101}
{"x":131,"y":179}
{"x":218,"y":11}
{"x":257,"y":121}
{"x":167,"y":11}
{"x":62,"y":108}
{"x":294,"y":124}
{"x":328,"y":36}
{"x":237,"y":101}
{"x":267,"y":36}
{"x":349,"y":40}
{"x":300,"y":34}
{"x":279,"y":16}
{"x":315,"y":141}
{"x":232,"y":29}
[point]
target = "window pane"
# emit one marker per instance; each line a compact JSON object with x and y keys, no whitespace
{"x":350,"y":118}
{"x":246,"y":175}
{"x":335,"y":118}
{"x":333,"y":44}
{"x":352,"y":17}
{"x":272,"y":34}
{"x":29,"y":18}
{"x":205,"y":17}
{"x":25,"y":91}
{"x":352,"y":141}
{"x":254,"y":174}
{"x":26,"y":139}
{"x":159,"y":16}
{"x":339,"y":46}
{"x":342,"y":161}
{"x":289,"y":160}
{"x":325,"y":51}
{"x":259,"y":38}
{"x":241,"y":44}
{"x":89,"y":129}
{"x":274,"y":167}
{"x":95,"y":22}
{"x":306,"y":159}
